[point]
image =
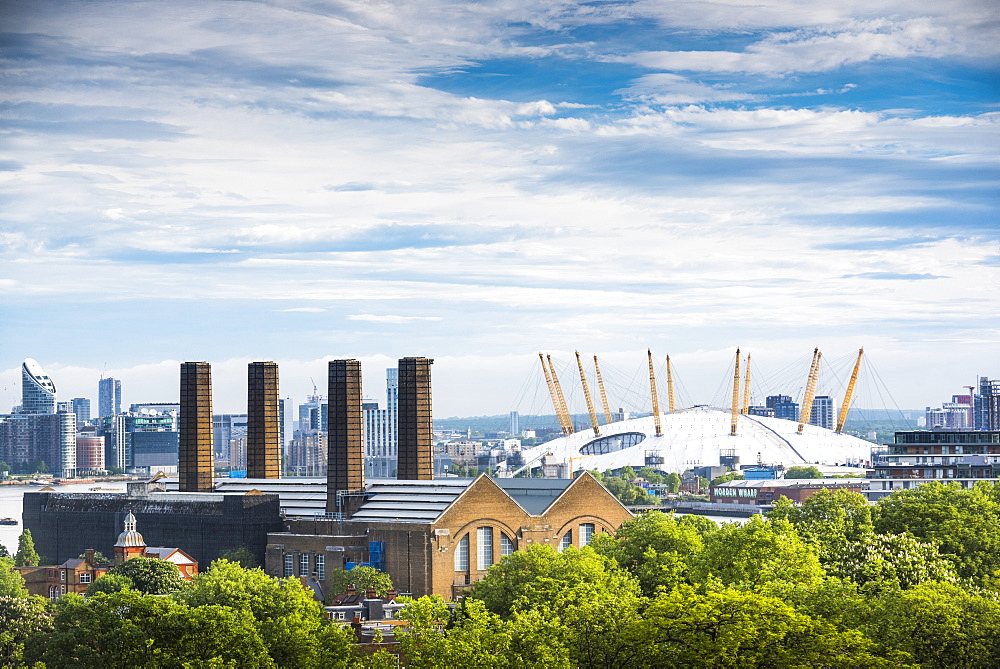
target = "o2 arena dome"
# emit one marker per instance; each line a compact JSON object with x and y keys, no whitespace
{"x":697,"y":437}
{"x":701,"y":436}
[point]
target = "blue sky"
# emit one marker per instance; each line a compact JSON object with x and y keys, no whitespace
{"x":475,"y":182}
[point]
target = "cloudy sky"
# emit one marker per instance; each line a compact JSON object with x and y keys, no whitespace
{"x":298,"y":180}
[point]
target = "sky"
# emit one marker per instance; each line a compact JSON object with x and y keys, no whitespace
{"x":475,"y":182}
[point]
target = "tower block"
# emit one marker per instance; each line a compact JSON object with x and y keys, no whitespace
{"x":415,"y":424}
{"x":263,"y":431}
{"x":196,"y":462}
{"x":345,"y":462}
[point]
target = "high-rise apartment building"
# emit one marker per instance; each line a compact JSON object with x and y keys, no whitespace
{"x":81,"y":407}
{"x":987,"y":404}
{"x":39,"y":442}
{"x":38,"y":392}
{"x":783,"y":407}
{"x":229,"y":433}
{"x":515,"y":427}
{"x":824,"y":412}
{"x":109,"y":397}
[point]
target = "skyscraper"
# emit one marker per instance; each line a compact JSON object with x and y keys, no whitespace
{"x":38,"y":392}
{"x":109,"y":397}
{"x":81,"y":407}
{"x":823,"y":412}
{"x":783,"y":406}
{"x":381,"y":433}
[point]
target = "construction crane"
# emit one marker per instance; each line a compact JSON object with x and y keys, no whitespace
{"x":842,"y":419}
{"x":670,"y":388}
{"x":604,"y":395}
{"x":736,"y":395}
{"x":567,"y":420}
{"x":555,"y":398}
{"x":746,"y":389}
{"x":807,"y":401}
{"x":652,"y":391}
{"x":586,"y":394}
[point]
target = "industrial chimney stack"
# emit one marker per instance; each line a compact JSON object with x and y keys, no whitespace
{"x":196,"y":462}
{"x":263,"y":430}
{"x":345,"y":465}
{"x":415,"y":422}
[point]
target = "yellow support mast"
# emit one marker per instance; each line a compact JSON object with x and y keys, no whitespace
{"x":604,"y":395}
{"x":670,"y":387}
{"x":807,"y":401}
{"x":850,"y":393}
{"x":736,"y":395}
{"x":652,"y":391}
{"x":567,"y":422}
{"x":552,"y":394}
{"x":586,"y":394}
{"x":746,"y":389}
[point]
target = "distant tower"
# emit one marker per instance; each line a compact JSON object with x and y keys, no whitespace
{"x":109,"y":397}
{"x":416,"y":429}
{"x":823,"y":412}
{"x":81,"y":407}
{"x":38,"y":392}
{"x":130,"y":543}
{"x":263,"y":428}
{"x":515,"y":427}
{"x":345,"y":460}
{"x":196,"y":464}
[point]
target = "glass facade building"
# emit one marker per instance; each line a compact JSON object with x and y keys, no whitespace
{"x":38,"y":392}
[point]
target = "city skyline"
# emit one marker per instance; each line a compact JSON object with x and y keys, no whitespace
{"x":301,"y":181}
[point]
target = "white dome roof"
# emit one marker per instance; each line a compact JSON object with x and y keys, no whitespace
{"x":697,"y":437}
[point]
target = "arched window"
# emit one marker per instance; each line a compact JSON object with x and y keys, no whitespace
{"x":484,"y":547}
{"x":462,"y":554}
{"x":567,"y":541}
{"x":506,"y":545}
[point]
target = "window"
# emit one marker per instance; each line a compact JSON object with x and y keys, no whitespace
{"x":506,"y":545}
{"x":586,"y":532}
{"x":62,"y":575}
{"x":304,"y":564}
{"x":484,"y":547}
{"x":567,"y":541}
{"x":321,"y":567}
{"x":289,"y":565}
{"x":85,"y":578}
{"x":462,"y":554}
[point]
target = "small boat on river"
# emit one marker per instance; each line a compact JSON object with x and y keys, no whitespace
{"x":8,"y":521}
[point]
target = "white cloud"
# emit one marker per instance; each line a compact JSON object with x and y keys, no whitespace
{"x":390,"y":318}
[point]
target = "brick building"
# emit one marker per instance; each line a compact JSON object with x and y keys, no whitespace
{"x":437,"y":537}
{"x":767,"y":491}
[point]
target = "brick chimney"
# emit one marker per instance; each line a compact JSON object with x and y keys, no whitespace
{"x":263,"y":430}
{"x":415,"y":421}
{"x":345,"y":468}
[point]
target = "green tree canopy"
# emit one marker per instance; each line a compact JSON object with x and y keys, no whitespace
{"x":725,"y":478}
{"x":20,"y":618}
{"x":26,"y":555}
{"x":756,"y":553}
{"x":285,"y":613}
{"x":11,"y":583}
{"x":539,"y":573}
{"x":829,"y":519}
{"x":655,"y":547}
{"x":130,"y":629}
{"x":241,"y":556}
{"x":109,"y":583}
{"x":151,"y":576}
{"x":964,"y":524}
{"x":360,"y":577}
{"x":802,"y":472}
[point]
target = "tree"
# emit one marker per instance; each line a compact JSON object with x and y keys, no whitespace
{"x":241,"y":556}
{"x":759,"y":552}
{"x":726,"y":627}
{"x":899,"y":561}
{"x":539,"y":573}
{"x":109,"y":583}
{"x":360,"y":577}
{"x":151,"y":576}
{"x":810,"y":472}
{"x":11,"y":582}
{"x":285,"y":613}
{"x":20,"y":618}
{"x":725,"y":478}
{"x":130,"y":629}
{"x":655,"y":547}
{"x":831,"y":520}
{"x":99,"y":557}
{"x":964,"y":524}
{"x":673,"y":481}
{"x":4,"y":552}
{"x":26,"y":555}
